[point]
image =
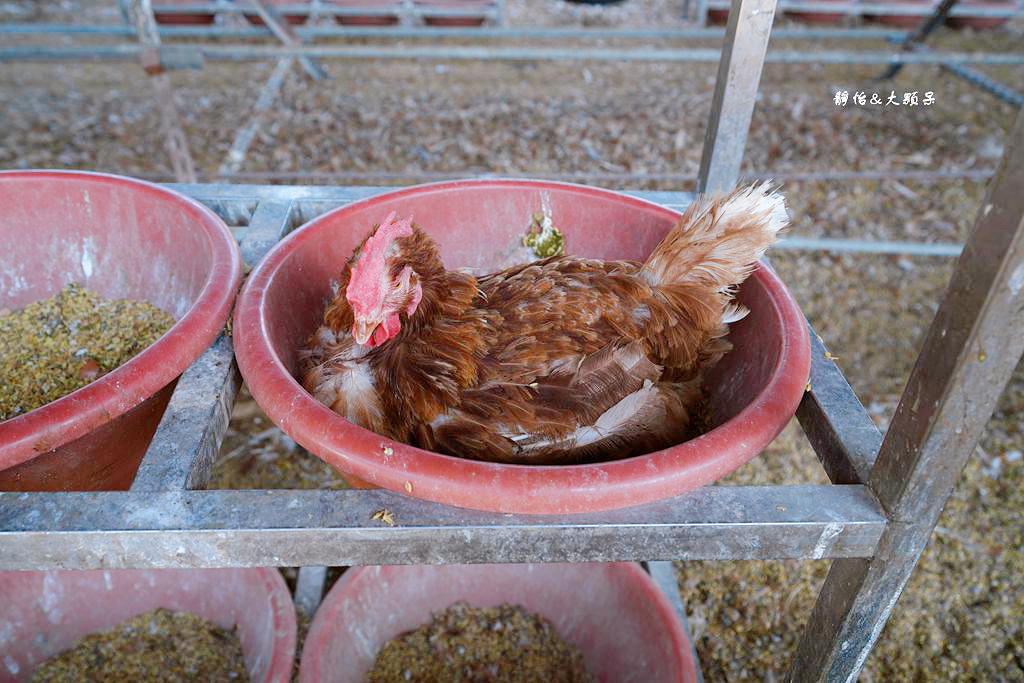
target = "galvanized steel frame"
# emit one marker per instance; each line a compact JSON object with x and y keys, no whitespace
{"x":872,"y":521}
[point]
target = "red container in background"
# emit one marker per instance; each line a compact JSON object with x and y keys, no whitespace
{"x":754,"y":390}
{"x":820,"y":18}
{"x":124,"y":239}
{"x":980,"y":23}
{"x":378,"y":12}
{"x":181,"y":18}
{"x":717,"y":17}
{"x":46,"y":612}
{"x":902,"y":20}
{"x":438,"y":18}
{"x":614,"y":613}
{"x":294,"y":19}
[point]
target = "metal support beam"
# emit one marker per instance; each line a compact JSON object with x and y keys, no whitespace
{"x":664,"y":574}
{"x":434,"y":32}
{"x":286,"y":34}
{"x":174,"y":135}
{"x":341,"y":528}
{"x":917,"y":37}
{"x":967,"y":357}
{"x":245,"y":135}
{"x":840,"y":430}
{"x":309,"y":589}
{"x":271,"y":221}
{"x":739,"y":73}
{"x":977,"y":78}
{"x":185,"y":445}
{"x":238,"y":52}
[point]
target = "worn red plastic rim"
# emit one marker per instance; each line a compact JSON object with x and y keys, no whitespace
{"x":74,"y":600}
{"x":502,"y":487}
{"x":68,"y":418}
{"x":330,"y":625}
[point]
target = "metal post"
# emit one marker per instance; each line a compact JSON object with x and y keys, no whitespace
{"x":287,"y":35}
{"x":177,"y":145}
{"x":246,"y":134}
{"x":968,"y":355}
{"x":739,"y":72}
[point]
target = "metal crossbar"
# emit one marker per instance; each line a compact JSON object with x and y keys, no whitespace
{"x":180,"y":55}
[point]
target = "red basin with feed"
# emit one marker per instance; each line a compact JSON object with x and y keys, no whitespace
{"x":754,"y":390}
{"x":616,"y":615}
{"x":123,"y":239}
{"x":46,"y":612}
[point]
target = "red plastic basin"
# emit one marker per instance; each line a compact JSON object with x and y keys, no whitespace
{"x":125,"y":239}
{"x":820,"y":18}
{"x":174,"y":18}
{"x":379,"y":12}
{"x":441,"y":19}
{"x":614,"y":613}
{"x":902,"y":20}
{"x":980,"y":23}
{"x":45,"y":612}
{"x":294,"y":19}
{"x":754,"y":390}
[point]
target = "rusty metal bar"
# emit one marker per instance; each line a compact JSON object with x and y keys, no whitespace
{"x":968,"y":355}
{"x":732,"y":105}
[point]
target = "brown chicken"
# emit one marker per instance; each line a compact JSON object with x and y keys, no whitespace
{"x":564,"y":360}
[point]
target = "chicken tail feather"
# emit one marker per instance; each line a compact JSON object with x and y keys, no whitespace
{"x":718,"y":239}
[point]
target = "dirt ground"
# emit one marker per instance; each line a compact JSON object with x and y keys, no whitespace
{"x":636,"y":125}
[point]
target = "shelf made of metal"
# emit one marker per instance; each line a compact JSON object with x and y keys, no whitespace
{"x":164,"y":522}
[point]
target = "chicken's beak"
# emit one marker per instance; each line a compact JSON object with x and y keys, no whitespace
{"x":363,"y":330}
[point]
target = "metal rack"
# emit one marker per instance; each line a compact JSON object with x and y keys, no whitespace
{"x":407,"y":10}
{"x":872,"y":521}
{"x":861,"y":8}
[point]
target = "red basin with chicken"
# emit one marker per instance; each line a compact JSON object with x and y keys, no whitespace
{"x":478,"y":224}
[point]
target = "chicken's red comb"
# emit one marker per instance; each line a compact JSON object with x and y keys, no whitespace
{"x":364,"y":292}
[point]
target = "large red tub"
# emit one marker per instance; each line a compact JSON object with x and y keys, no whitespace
{"x":754,"y":390}
{"x":124,"y":239}
{"x":616,"y":615}
{"x":46,"y":612}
